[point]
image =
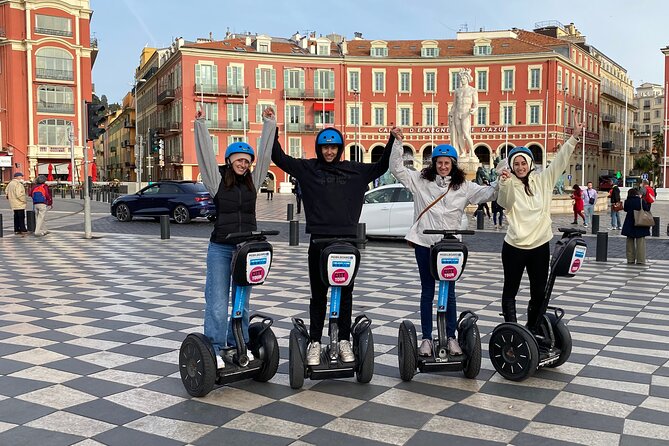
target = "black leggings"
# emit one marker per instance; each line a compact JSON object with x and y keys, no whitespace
{"x":319,"y":295}
{"x":514,"y":262}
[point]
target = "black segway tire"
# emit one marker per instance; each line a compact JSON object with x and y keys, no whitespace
{"x":472,"y":365}
{"x":407,"y":350}
{"x":270,"y":357}
{"x":365,"y":372}
{"x":562,"y":340}
{"x":513,"y":351}
{"x":197,"y":366}
{"x":295,"y":361}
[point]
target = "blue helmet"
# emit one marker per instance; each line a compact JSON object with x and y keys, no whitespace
{"x":329,"y":136}
{"x":445,"y":150}
{"x":240,"y":147}
{"x":522,"y":151}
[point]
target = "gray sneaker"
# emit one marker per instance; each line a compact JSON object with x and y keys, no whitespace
{"x":454,"y":347}
{"x":220,"y":363}
{"x":314,"y":353}
{"x":346,"y":352}
{"x":425,"y":348}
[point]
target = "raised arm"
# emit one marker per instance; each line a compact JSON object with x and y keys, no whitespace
{"x":397,"y":168}
{"x":561,"y":160}
{"x":381,"y":166}
{"x":206,"y":159}
{"x":264,"y":149}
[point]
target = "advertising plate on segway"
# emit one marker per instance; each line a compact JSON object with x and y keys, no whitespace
{"x":257,"y":266}
{"x":450,"y":265}
{"x":577,"y":259}
{"x":341,"y":268}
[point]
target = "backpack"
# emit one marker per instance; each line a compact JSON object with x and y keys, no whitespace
{"x":649,"y":196}
{"x":39,"y":194}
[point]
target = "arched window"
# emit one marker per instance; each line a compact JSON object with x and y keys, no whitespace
{"x":55,"y":99}
{"x":54,"y":132}
{"x":427,"y":155}
{"x":54,"y":63}
{"x":355,"y":153}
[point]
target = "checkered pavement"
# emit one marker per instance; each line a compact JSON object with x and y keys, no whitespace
{"x":90,"y":330}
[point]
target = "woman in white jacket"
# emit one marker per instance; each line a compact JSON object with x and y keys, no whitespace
{"x":526,"y":195}
{"x":443,"y":188}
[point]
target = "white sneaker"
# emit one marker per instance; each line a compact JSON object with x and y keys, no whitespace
{"x":249,"y":354}
{"x":220,"y":363}
{"x":425,"y":348}
{"x":454,"y":347}
{"x":314,"y":353}
{"x":346,"y":352}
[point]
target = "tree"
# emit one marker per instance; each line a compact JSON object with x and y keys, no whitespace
{"x":658,"y":142}
{"x":650,"y":164}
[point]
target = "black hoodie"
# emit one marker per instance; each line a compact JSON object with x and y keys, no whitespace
{"x":333,"y":193}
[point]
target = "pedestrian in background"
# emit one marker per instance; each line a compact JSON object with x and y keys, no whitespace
{"x":497,"y":214}
{"x":616,"y":206}
{"x":589,"y":200}
{"x":636,"y":235}
{"x":270,"y":188}
{"x":297,"y":190}
{"x":647,"y":193}
{"x":577,"y":196}
{"x":42,"y":202}
{"x":16,"y":194}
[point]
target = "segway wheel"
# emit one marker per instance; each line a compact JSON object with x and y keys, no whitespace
{"x":472,"y":365}
{"x":513,"y":351}
{"x":269,"y":356}
{"x":406,"y":350}
{"x":295,"y":361}
{"x":197,"y":366}
{"x":562,"y":340}
{"x":365,"y":372}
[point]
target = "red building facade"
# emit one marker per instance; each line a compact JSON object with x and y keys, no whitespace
{"x":46,"y":57}
{"x":531,"y":90}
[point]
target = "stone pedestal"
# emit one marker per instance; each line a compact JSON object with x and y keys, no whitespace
{"x":469,"y":163}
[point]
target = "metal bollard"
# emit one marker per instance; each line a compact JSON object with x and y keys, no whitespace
{"x":289,"y":212}
{"x":72,"y":193}
{"x":656,"y":227}
{"x":1,"y":229}
{"x":97,"y":195}
{"x":595,"y":224}
{"x":294,"y":233}
{"x":62,"y":193}
{"x":361,"y":234}
{"x":30,"y":217}
{"x":602,"y":246}
{"x":164,"y":227}
{"x":479,"y":219}
{"x":81,"y":193}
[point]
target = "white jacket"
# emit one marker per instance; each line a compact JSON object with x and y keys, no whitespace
{"x":529,"y":217}
{"x":447,"y":213}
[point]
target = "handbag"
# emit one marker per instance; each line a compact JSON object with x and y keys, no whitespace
{"x":617,"y":206}
{"x":643,"y":218}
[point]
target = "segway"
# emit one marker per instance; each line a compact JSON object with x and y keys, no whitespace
{"x":197,"y":358}
{"x":338,"y":267}
{"x":448,"y":259}
{"x":516,"y":351}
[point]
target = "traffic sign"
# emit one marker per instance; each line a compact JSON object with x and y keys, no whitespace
{"x":618,"y":175}
{"x":568,"y":177}
{"x":644,"y":176}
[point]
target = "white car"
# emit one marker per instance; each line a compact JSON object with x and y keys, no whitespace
{"x":388,"y":211}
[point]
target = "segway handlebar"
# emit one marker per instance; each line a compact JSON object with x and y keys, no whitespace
{"x":569,"y":231}
{"x":449,"y":232}
{"x":251,"y":235}
{"x":339,"y":239}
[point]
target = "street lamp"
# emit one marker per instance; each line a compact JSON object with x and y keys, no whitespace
{"x":358,"y":151}
{"x":138,"y":147}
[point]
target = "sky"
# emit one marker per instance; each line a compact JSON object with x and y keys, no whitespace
{"x":630,"y":33}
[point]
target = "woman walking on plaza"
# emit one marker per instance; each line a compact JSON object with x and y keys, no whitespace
{"x":577,"y":196}
{"x":636,"y":235}
{"x":526,"y":195}
{"x":441,"y":193}
{"x":616,"y":206}
{"x":234,"y":190}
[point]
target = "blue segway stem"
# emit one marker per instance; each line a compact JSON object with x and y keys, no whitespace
{"x":241,"y":295}
{"x":442,"y":300}
{"x":335,"y":298}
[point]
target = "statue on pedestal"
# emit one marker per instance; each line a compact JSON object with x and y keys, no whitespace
{"x":464,"y":107}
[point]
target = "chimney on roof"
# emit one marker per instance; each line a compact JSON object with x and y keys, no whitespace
{"x":304,"y":42}
{"x":247,"y":41}
{"x":227,"y":33}
{"x":296,"y":37}
{"x":211,"y":36}
{"x":357,"y":35}
{"x":312,"y":48}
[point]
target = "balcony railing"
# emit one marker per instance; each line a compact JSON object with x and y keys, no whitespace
{"x":53,"y":32}
{"x":643,"y":134}
{"x":608,"y":118}
{"x":173,"y":127}
{"x":129,"y":123}
{"x":301,"y":128}
{"x":222,"y":90}
{"x":227,"y":125}
{"x":634,"y":150}
{"x":60,"y":75}
{"x":608,"y":145}
{"x":165,"y":96}
{"x":302,"y":93}
{"x":55,"y":108}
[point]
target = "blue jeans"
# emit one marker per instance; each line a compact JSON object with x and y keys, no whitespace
{"x":615,"y":219}
{"x":589,"y":211}
{"x":217,"y":297}
{"x":427,"y":284}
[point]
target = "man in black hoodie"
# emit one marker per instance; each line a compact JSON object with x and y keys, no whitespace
{"x":333,"y":193}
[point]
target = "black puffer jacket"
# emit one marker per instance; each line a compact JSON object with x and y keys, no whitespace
{"x":235,"y":210}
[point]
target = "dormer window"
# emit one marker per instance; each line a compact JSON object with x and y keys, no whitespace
{"x":264,"y":44}
{"x":482,"y":47}
{"x":263,"y":48}
{"x":429,"y":48}
{"x":379,"y":49}
{"x":323,"y":46}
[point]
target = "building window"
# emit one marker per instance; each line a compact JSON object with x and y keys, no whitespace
{"x":559,"y":79}
{"x":379,"y":116}
{"x":507,"y":80}
{"x":295,"y":114}
{"x":324,"y":82}
{"x":482,"y":81}
{"x":55,"y":26}
{"x":379,"y":52}
{"x":482,"y":116}
{"x":328,"y":116}
{"x":54,"y":132}
{"x":405,"y":82}
{"x":209,"y":111}
{"x":55,"y":99}
{"x":293,"y":80}
{"x":235,"y":75}
{"x":353,"y":81}
{"x":265,"y":78}
{"x":379,"y":81}
{"x":507,"y":117}
{"x":262,"y":106}
{"x":54,"y":63}
{"x":295,"y":147}
{"x":454,"y":80}
{"x":214,"y":143}
{"x":430,"y":82}
{"x":263,"y":47}
{"x":429,"y":52}
{"x":206,"y":78}
{"x":535,"y":114}
{"x":429,"y":116}
{"x":323,"y":49}
{"x":353,"y":115}
{"x":559,"y":114}
{"x":535,"y":79}
{"x":405,"y":116}
{"x":657,"y":113}
{"x":483,"y":50}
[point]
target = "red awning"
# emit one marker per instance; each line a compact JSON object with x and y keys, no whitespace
{"x":319,"y":106}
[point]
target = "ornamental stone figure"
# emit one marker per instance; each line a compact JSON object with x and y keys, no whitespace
{"x":459,"y":118}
